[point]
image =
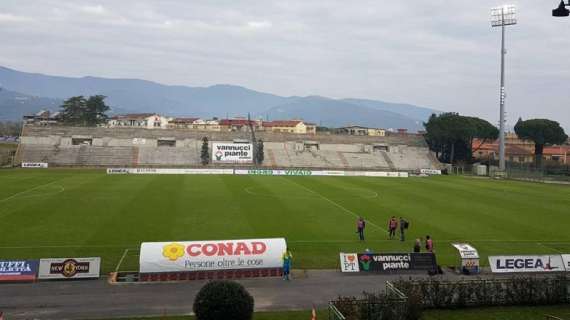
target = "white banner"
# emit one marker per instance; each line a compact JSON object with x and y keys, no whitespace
{"x":211,"y":255}
{"x":566,"y":260}
{"x":232,"y":152}
{"x":430,"y":171}
{"x":303,"y":172}
{"x":69,"y":268}
{"x":349,"y":262}
{"x":466,"y":251}
{"x":42,"y":165}
{"x":167,"y":171}
{"x":544,"y":263}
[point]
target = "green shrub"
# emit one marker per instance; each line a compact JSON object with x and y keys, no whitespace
{"x":223,"y":300}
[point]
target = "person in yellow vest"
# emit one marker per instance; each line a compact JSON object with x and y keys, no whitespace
{"x":287,"y":261}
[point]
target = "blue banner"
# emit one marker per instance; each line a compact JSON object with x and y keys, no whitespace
{"x":19,"y":270}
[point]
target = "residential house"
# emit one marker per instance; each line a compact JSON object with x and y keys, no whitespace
{"x":139,"y":120}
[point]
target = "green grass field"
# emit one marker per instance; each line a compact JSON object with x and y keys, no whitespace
{"x":70,"y":213}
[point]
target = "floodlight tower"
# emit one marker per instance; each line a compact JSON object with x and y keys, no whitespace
{"x":501,"y":17}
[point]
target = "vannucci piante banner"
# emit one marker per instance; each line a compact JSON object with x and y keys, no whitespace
{"x":387,"y":262}
{"x":232,"y":152}
{"x":188,"y":256}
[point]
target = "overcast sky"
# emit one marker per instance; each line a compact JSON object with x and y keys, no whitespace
{"x":440,"y":54}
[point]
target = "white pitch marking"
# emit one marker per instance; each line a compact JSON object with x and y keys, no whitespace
{"x":22,"y":192}
{"x":121,"y":261}
{"x":335,"y":204}
{"x":548,"y":247}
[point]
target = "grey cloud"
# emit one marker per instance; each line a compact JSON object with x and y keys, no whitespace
{"x":442,"y":54}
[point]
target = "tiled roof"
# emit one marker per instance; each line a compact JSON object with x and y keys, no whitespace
{"x":282,"y":123}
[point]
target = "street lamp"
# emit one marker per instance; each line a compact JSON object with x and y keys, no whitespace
{"x":561,"y":11}
{"x":502,"y":17}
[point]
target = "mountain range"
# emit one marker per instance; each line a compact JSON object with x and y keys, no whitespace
{"x":24,"y":93}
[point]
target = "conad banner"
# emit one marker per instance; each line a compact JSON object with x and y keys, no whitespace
{"x":232,"y":152}
{"x":187,"y":256}
{"x":18,"y":270}
{"x":388,"y":262}
{"x":167,"y":171}
{"x":69,"y":268}
{"x":42,"y":165}
{"x":544,"y":263}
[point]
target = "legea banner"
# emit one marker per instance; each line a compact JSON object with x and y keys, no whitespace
{"x":232,"y":152}
{"x":186,"y":256}
{"x":544,"y":263}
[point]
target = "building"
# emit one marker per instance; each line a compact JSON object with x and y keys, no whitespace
{"x":43,"y":118}
{"x":362,"y":131}
{"x":139,"y":120}
{"x":239,"y":125}
{"x":290,"y":126}
{"x":519,"y":151}
{"x":206,"y":125}
{"x":182,"y":123}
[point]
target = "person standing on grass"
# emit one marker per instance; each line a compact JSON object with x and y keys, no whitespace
{"x":360,"y":225}
{"x":403,"y":227}
{"x":287,"y":260}
{"x":392,"y":226}
{"x":418,"y":245}
{"x":429,"y":244}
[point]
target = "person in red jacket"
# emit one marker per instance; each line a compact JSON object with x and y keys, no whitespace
{"x":360,"y":225}
{"x":392,"y":226}
{"x":429,"y":244}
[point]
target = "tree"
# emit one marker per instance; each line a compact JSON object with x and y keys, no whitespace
{"x":221,"y":300}
{"x":73,"y":111}
{"x":205,"y":154}
{"x":260,"y":154}
{"x":542,"y":132}
{"x":79,"y":111}
{"x":451,"y":135}
{"x":95,"y":110}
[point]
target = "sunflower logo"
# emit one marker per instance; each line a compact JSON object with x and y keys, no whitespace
{"x":173,"y":251}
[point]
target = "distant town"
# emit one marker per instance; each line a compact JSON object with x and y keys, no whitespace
{"x":237,"y":124}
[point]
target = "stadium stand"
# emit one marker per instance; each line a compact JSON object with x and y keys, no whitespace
{"x":75,"y":146}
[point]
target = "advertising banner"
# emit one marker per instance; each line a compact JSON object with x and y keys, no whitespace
{"x":274,"y":172}
{"x":215,"y":255}
{"x":18,"y":270}
{"x":466,"y":251}
{"x":539,"y":263}
{"x":430,"y":171}
{"x":69,"y":268}
{"x":396,"y":262}
{"x":232,"y":152}
{"x":566,"y":260}
{"x":349,"y":262}
{"x":42,"y":165}
{"x":304,"y":172}
{"x":167,"y":171}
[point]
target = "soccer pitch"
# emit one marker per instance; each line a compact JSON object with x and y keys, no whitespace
{"x":74,"y":213}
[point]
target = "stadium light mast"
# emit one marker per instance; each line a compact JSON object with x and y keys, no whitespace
{"x":501,"y":17}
